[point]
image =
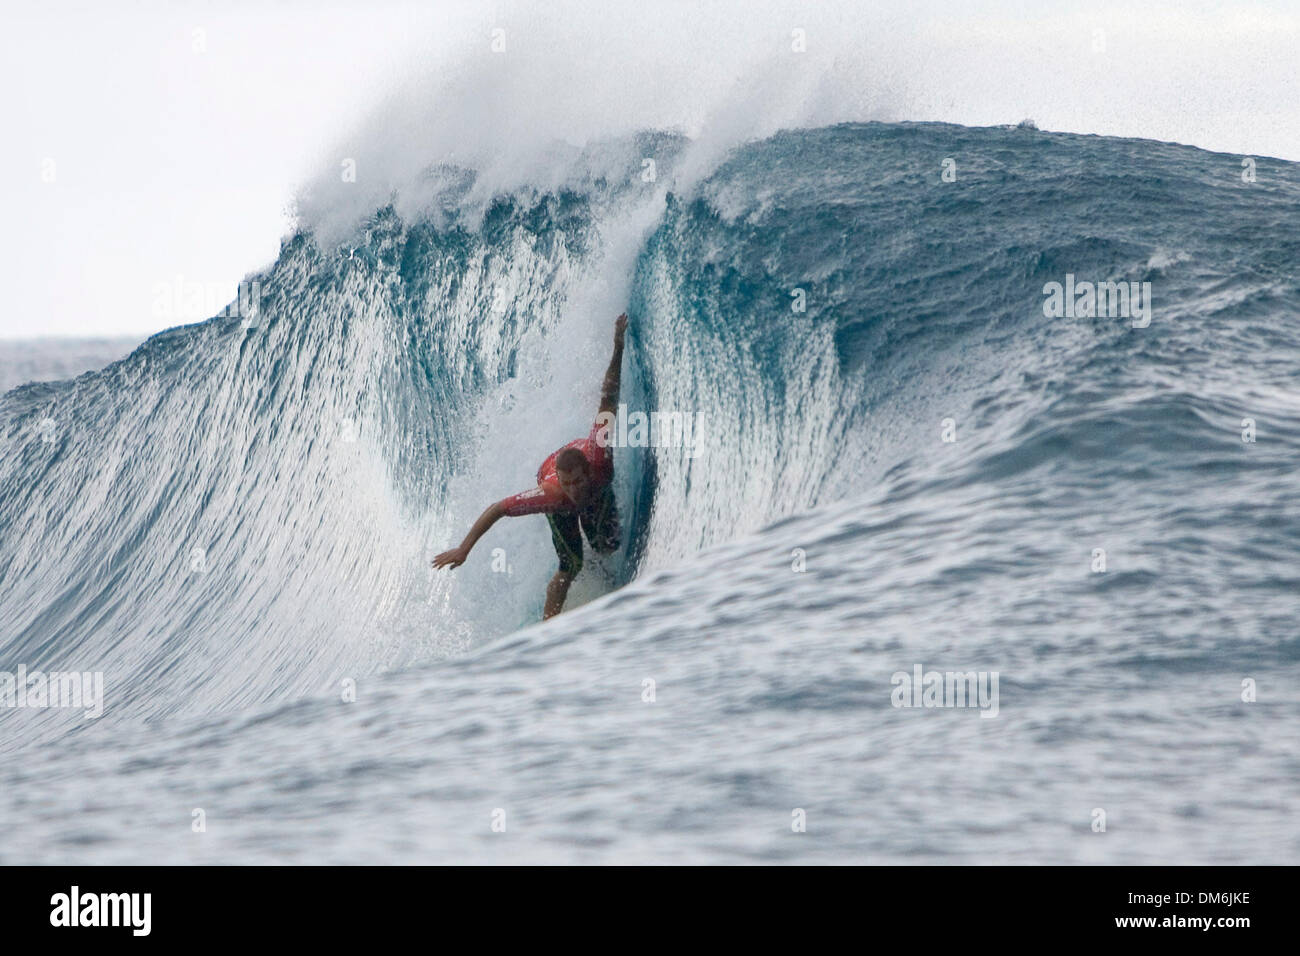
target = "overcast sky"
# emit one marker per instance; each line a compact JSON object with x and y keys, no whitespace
{"x":152,"y":148}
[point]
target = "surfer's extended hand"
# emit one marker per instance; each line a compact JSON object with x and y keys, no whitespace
{"x":620,"y":326}
{"x":457,"y":556}
{"x":453,"y":558}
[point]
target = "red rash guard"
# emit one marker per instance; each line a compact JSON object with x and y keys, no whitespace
{"x":548,"y":497}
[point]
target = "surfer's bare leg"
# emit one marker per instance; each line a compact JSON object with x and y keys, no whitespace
{"x":567,"y":539}
{"x":556,"y":592}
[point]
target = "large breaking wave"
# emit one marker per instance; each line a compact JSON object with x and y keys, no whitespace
{"x":243,"y":510}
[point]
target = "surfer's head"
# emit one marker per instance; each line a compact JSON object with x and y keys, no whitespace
{"x":574,"y":474}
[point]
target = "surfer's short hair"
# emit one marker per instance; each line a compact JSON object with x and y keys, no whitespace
{"x":571,"y":459}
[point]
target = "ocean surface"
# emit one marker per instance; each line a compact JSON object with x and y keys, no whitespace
{"x":49,"y":359}
{"x":900,"y":463}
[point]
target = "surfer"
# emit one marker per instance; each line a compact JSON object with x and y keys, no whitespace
{"x":575,"y":490}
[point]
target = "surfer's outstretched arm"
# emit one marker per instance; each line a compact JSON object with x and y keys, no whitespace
{"x":609,"y":390}
{"x":456,"y":556}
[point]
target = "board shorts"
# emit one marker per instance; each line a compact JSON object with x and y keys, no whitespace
{"x":598,"y":521}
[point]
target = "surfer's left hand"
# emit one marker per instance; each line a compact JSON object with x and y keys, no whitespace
{"x":453,"y":558}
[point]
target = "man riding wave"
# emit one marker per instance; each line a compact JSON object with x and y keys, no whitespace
{"x":575,"y":490}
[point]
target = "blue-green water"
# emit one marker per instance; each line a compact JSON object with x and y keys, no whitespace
{"x":236,"y":521}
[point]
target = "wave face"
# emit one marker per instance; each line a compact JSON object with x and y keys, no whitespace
{"x":240,"y":514}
